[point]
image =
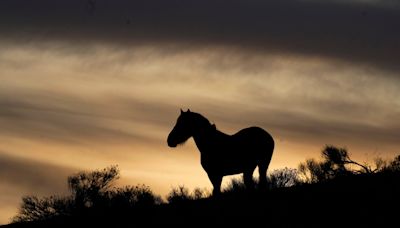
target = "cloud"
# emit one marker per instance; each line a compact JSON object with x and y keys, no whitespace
{"x":133,"y":96}
{"x":33,"y":177}
{"x":68,"y":119}
{"x":357,"y":32}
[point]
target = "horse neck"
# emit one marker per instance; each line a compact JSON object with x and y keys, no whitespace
{"x":204,"y":137}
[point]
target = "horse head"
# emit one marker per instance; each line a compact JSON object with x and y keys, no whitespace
{"x":182,"y":130}
{"x":187,"y":125}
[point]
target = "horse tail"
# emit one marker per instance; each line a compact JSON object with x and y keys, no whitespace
{"x":264,"y":163}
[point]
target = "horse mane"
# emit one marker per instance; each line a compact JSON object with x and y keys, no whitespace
{"x":203,"y":121}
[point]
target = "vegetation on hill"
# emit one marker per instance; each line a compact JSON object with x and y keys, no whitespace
{"x":335,"y":190}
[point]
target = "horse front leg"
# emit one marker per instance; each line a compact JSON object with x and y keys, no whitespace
{"x":216,"y":182}
{"x":248,"y":179}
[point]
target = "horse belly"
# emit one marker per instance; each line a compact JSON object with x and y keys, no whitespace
{"x":227,"y":165}
{"x":238,"y":153}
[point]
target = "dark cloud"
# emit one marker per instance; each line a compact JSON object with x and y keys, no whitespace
{"x":352,"y":31}
{"x":66,"y":118}
{"x":306,"y":128}
{"x":33,"y":177}
{"x":157,"y":113}
{"x":334,"y":123}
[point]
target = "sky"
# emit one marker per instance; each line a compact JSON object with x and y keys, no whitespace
{"x":89,"y":84}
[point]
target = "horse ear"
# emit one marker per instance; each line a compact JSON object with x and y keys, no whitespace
{"x":188,"y":110}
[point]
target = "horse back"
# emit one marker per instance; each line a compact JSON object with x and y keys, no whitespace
{"x":252,"y":142}
{"x":255,"y":136}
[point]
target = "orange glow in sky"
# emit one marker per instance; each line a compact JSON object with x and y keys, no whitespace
{"x":78,"y":97}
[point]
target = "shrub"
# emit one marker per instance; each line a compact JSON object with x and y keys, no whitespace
{"x":90,"y":191}
{"x":178,"y":195}
{"x":182,"y":194}
{"x":333,"y":164}
{"x":282,"y":178}
{"x":236,"y":185}
{"x":34,"y":208}
{"x":133,"y":196}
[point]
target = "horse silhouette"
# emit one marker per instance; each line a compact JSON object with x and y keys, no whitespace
{"x":223,"y":154}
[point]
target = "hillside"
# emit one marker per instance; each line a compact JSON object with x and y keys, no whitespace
{"x":325,"y":193}
{"x":362,"y":201}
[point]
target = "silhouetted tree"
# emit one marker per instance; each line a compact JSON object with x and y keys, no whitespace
{"x":339,"y":157}
{"x":333,"y":165}
{"x":90,"y":188}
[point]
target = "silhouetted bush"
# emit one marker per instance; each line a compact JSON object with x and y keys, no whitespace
{"x":278,"y":178}
{"x":199,"y":193}
{"x":133,"y":196}
{"x":333,"y":189}
{"x":282,"y":178}
{"x":333,"y":164}
{"x":178,"y":195}
{"x":34,"y":208}
{"x":236,"y":185}
{"x":395,"y":164}
{"x":90,"y":191}
{"x":388,"y":166}
{"x":182,"y":194}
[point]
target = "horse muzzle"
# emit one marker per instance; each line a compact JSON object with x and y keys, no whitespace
{"x":170,"y":143}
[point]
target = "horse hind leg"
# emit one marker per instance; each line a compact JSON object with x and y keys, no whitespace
{"x":262,"y":169}
{"x":216,"y":182}
{"x":248,"y":179}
